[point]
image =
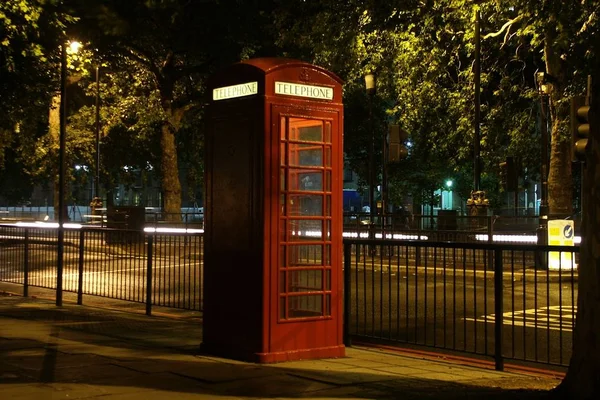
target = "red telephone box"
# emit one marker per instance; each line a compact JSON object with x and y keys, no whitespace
{"x":273,"y":212}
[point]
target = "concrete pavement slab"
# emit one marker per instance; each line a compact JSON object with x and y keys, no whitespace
{"x":81,"y":352}
{"x":34,"y":358}
{"x":162,"y":381}
{"x":67,"y":391}
{"x":269,"y":386}
{"x":200,"y":370}
{"x":349,"y":376}
{"x":343,"y":393}
{"x":13,"y":344}
{"x":162,"y":395}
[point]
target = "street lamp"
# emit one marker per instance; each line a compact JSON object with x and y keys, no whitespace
{"x":447,"y":201}
{"x":96,"y":200}
{"x":61,"y":174}
{"x":370,"y":85}
{"x":544,"y":89}
{"x":73,"y":47}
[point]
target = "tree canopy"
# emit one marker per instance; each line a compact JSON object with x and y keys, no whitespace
{"x":422,"y":53}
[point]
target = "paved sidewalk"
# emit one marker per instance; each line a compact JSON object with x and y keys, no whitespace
{"x":81,"y":352}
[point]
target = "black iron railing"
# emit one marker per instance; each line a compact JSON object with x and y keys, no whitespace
{"x":162,"y":269}
{"x":486,"y":299}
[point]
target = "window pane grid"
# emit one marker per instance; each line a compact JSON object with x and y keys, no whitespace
{"x":305,"y":218}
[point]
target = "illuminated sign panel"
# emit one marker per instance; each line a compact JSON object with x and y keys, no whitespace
{"x":231,"y":92}
{"x":296,"y":89}
{"x":561,"y":233}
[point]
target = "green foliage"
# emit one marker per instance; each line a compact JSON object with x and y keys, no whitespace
{"x":424,"y":56}
{"x":29,"y":37}
{"x":160,"y":54}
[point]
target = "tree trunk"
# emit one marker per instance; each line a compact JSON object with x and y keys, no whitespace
{"x":582,"y":380}
{"x":171,"y":185}
{"x":560,"y":183}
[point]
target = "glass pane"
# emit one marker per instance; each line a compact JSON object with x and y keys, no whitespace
{"x":328,"y":229}
{"x":282,"y":128}
{"x":306,"y":155}
{"x":282,"y":231}
{"x":282,"y":175}
{"x":282,"y":198}
{"x":327,"y":138}
{"x":282,"y":259}
{"x":311,"y":157}
{"x":327,"y":255}
{"x":282,"y":155}
{"x":306,"y":204}
{"x":313,"y":132}
{"x":282,"y":283}
{"x":327,"y":279}
{"x":327,"y":181}
{"x":305,"y":306}
{"x":328,"y":205}
{"x":304,"y":255}
{"x":327,"y":304}
{"x":327,"y":156}
{"x":307,"y":130}
{"x":304,"y":230}
{"x":305,"y":281}
{"x":282,"y":307}
{"x":306,"y":180}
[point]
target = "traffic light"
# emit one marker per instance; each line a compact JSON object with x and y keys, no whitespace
{"x":580,"y":127}
{"x":508,"y":175}
{"x":397,"y":147}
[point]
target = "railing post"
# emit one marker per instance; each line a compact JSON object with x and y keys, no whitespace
{"x":418,"y":248}
{"x":347,"y":294}
{"x":498,"y":310}
{"x":26,"y":264}
{"x":490,"y":235}
{"x":80,"y":274}
{"x":149,"y":277}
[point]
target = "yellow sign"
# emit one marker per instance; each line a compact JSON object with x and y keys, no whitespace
{"x":561,"y":233}
{"x":297,"y":89}
{"x":231,"y":92}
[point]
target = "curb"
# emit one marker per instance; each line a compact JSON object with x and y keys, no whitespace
{"x":541,"y":276}
{"x":460,"y":360}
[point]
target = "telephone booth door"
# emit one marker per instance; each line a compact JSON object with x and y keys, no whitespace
{"x":308,"y":268}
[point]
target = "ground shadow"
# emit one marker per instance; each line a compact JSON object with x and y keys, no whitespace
{"x":112,"y":353}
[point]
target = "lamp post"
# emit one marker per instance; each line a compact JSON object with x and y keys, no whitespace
{"x":61,"y":174}
{"x":477,"y":76}
{"x":477,"y":205}
{"x":384,"y":184}
{"x":449,"y":184}
{"x":544,"y":89}
{"x":96,"y":200}
{"x":97,"y":180}
{"x":62,"y":215}
{"x":370,"y":82}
